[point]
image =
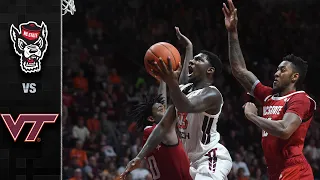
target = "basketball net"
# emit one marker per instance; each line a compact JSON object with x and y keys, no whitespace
{"x":68,"y":6}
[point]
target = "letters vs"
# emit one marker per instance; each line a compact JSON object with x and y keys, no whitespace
{"x":29,"y":88}
{"x":38,"y":120}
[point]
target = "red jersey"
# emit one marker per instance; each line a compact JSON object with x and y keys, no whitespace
{"x":167,"y":161}
{"x":281,"y":153}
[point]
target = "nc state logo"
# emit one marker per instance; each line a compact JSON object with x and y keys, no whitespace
{"x":182,"y":120}
{"x":30,"y":43}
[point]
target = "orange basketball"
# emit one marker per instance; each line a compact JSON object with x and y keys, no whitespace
{"x":163,"y":50}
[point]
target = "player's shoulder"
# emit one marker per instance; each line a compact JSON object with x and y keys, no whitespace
{"x":148,"y":130}
{"x":298,"y":95}
{"x":213,"y":89}
{"x":213,"y":92}
{"x":301,"y":96}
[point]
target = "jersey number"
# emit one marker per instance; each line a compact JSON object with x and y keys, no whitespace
{"x":182,"y":122}
{"x":153,"y":167}
{"x":264,"y":133}
{"x":206,"y":128}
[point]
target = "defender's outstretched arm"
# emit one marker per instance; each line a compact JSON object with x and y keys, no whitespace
{"x":238,"y":66}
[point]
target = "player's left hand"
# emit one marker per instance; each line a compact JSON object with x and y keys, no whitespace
{"x":182,"y":38}
{"x":166,"y":73}
{"x":250,"y":108}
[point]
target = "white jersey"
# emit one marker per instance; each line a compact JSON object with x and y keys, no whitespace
{"x":198,"y":131}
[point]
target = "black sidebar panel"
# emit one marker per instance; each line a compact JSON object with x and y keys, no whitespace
{"x":30,"y":82}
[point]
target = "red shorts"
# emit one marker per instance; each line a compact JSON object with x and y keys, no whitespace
{"x":301,"y":171}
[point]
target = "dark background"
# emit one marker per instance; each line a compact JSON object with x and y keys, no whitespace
{"x":106,"y":40}
{"x":38,"y":160}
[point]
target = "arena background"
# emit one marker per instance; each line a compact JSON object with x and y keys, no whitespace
{"x":103,"y":49}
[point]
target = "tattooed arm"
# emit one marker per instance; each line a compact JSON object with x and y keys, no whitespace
{"x":238,"y":66}
{"x":239,"y":70}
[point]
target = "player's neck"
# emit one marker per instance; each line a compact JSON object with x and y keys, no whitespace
{"x":201,"y":84}
{"x":287,"y":90}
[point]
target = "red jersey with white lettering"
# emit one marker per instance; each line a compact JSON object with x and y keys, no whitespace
{"x":167,"y":161}
{"x":281,"y":153}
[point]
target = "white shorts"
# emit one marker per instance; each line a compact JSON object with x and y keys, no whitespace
{"x":216,"y":164}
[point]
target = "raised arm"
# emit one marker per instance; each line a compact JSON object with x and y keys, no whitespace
{"x":183,"y":79}
{"x":163,"y":91}
{"x":238,"y":66}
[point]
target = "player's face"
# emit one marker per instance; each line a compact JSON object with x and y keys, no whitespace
{"x":158,"y":111}
{"x":198,"y":68}
{"x":283,"y":77}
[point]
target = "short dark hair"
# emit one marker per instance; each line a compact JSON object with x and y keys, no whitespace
{"x":214,"y":60}
{"x":143,"y":110}
{"x":300,"y":66}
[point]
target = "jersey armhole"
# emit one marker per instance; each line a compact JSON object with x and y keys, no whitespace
{"x":170,"y":145}
{"x":253,"y":88}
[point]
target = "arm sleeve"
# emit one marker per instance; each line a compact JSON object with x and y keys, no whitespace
{"x":300,"y":105}
{"x":260,"y":91}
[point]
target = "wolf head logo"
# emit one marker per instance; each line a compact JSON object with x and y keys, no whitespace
{"x":30,"y":43}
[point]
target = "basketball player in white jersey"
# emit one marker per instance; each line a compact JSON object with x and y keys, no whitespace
{"x":199,"y":105}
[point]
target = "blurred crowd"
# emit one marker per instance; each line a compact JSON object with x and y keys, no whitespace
{"x":104,"y":45}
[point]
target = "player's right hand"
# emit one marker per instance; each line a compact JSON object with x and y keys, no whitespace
{"x":132,"y":165}
{"x":230,"y":16}
{"x":182,"y":38}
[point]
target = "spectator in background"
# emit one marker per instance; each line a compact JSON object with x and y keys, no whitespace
{"x":240,"y":175}
{"x":109,"y":172}
{"x":92,"y":144}
{"x":79,"y":155}
{"x":114,"y":78}
{"x":80,"y":82}
{"x":79,"y":131}
{"x":93,"y":124}
{"x":77,"y":175}
{"x":240,"y":168}
{"x":91,"y":170}
{"x":136,"y":147}
{"x":141,"y":172}
{"x":123,"y":163}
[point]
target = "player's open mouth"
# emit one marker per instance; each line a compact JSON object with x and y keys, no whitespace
{"x":190,"y":71}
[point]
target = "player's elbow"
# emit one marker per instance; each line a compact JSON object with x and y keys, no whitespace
{"x":285,"y":134}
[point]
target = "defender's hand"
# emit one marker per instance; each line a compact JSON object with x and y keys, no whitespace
{"x":182,"y":38}
{"x":230,"y":16}
{"x":249,"y":109}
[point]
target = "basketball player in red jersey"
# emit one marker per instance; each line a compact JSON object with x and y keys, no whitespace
{"x":168,"y":160}
{"x":287,"y":113}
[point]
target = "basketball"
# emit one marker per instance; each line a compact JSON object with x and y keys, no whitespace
{"x":163,"y":50}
